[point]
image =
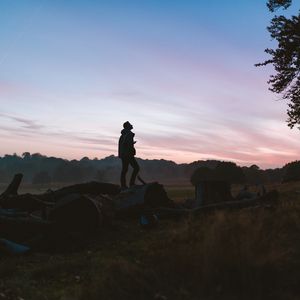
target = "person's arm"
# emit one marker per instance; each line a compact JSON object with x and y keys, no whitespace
{"x":131,"y":142}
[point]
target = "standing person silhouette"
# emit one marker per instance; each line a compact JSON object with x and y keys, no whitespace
{"x":127,"y":153}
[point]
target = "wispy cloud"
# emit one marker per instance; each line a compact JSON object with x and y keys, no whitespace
{"x":24,"y":122}
{"x":14,"y":127}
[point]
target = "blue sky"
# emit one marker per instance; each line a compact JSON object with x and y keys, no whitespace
{"x":71,"y":72}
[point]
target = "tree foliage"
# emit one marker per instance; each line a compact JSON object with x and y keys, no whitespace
{"x":224,"y":171}
{"x":202,"y":173}
{"x":292,"y":171}
{"x":254,"y":175}
{"x":285,"y":59}
{"x":275,"y":4}
{"x":229,"y":172}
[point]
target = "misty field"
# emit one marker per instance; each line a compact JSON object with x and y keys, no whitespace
{"x":251,"y":253}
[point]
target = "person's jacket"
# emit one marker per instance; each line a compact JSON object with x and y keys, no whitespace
{"x":126,"y":144}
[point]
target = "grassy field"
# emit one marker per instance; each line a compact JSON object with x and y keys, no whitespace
{"x":245,"y":254}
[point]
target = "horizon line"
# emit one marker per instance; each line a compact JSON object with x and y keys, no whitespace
{"x":141,"y":158}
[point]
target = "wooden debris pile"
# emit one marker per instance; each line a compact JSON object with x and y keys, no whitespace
{"x":51,"y":220}
{"x":78,"y":209}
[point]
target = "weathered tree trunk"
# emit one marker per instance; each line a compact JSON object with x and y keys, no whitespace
{"x":13,"y":187}
{"x":76,"y":212}
{"x":89,"y":188}
{"x":25,"y":202}
{"x":270,"y":198}
{"x":28,"y":202}
{"x":22,"y":228}
{"x":138,"y":198}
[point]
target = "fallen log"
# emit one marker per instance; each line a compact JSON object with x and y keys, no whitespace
{"x":29,"y":202}
{"x":22,"y":228}
{"x":140,"y":197}
{"x":270,"y":198}
{"x":25,"y":202}
{"x":13,"y":187}
{"x":10,"y":199}
{"x":76,"y":213}
{"x":89,"y":188}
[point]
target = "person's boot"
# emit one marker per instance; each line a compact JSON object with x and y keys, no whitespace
{"x":132,"y":184}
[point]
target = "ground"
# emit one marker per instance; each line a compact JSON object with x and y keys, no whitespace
{"x":246,"y":254}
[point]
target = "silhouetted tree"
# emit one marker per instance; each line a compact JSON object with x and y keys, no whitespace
{"x":202,"y":174}
{"x":26,"y":155}
{"x":230,"y":172}
{"x":292,"y":171}
{"x":61,"y":170}
{"x":85,"y":159}
{"x":37,"y":156}
{"x":189,"y":169}
{"x":274,"y":175}
{"x":254,"y":175}
{"x":275,"y":4}
{"x":224,"y":171}
{"x":254,"y":167}
{"x":285,"y":59}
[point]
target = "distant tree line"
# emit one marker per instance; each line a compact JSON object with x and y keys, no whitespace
{"x":232,"y":173}
{"x":40,"y":169}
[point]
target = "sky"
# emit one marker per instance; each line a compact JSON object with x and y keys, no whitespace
{"x":182,"y":72}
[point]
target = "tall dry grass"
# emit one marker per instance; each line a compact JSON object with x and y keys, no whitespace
{"x":249,"y":254}
{"x":246,"y":254}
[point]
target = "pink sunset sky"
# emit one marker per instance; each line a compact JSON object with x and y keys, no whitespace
{"x":71,"y":73}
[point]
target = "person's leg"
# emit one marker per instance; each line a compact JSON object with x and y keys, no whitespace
{"x":125,"y":163}
{"x":136,"y":169}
